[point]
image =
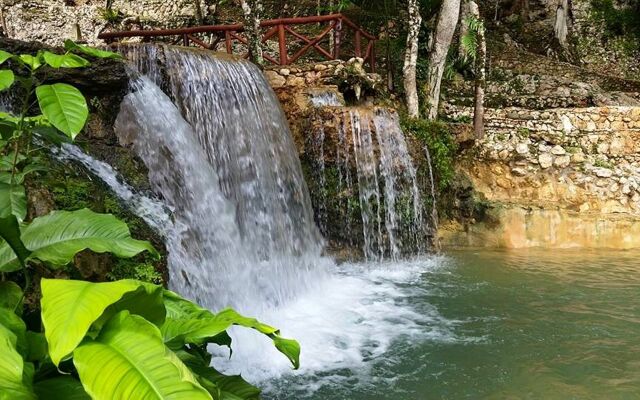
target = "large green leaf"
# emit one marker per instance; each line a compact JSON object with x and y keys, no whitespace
{"x":14,"y":384}
{"x":138,"y":363}
{"x":11,"y":296}
{"x":4,"y":56}
{"x":225,"y":387}
{"x":67,"y":60}
{"x":188,"y":323}
{"x":12,"y":245}
{"x":70,"y":45}
{"x":6,"y":79}
{"x":13,"y":201}
{"x":37,"y":349}
{"x":64,"y":106}
{"x":69,"y":308}
{"x":55,"y":238}
{"x":60,"y":388}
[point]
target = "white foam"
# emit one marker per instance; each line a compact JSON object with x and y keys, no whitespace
{"x":345,"y":322}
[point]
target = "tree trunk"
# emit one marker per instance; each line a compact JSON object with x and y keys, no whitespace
{"x":445,"y":28}
{"x":198,"y":12}
{"x":480,"y":74}
{"x":465,"y":13}
{"x":411,"y":59}
{"x":561,"y":27}
{"x":252,"y":10}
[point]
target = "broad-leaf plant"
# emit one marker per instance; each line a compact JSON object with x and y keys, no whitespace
{"x":112,"y":340}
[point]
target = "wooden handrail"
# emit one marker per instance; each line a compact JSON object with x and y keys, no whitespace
{"x":278,"y":27}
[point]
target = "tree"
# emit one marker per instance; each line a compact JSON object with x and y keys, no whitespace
{"x":445,"y":28}
{"x":411,"y":59}
{"x":481,"y":80}
{"x":561,"y":27}
{"x":252,"y":10}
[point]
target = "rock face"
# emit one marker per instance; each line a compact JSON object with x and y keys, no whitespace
{"x":560,"y":163}
{"x":51,"y":21}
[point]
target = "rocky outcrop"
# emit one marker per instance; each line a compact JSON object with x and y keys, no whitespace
{"x":53,"y":21}
{"x":560,"y":164}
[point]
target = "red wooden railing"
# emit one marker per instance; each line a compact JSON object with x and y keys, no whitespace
{"x":285,"y":30}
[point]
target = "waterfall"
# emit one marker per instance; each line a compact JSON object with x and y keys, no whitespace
{"x":322,"y":98}
{"x":373,"y":164}
{"x":151,"y":210}
{"x":221,"y":158}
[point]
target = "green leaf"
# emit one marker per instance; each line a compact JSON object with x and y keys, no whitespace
{"x":6,"y":79}
{"x":226,"y":387}
{"x":11,"y":296}
{"x":11,"y":321}
{"x":37,"y":349}
{"x":70,"y":45}
{"x":69,"y":308}
{"x":67,"y":60}
{"x":60,"y":388}
{"x":51,"y":134}
{"x":146,"y":301}
{"x":13,"y":201}
{"x":7,"y":129}
{"x":13,"y":246}
{"x":4,"y":56}
{"x":33,"y":62}
{"x":55,"y":238}
{"x":64,"y":106}
{"x":139,"y":365}
{"x":188,"y":323}
{"x":14,"y":384}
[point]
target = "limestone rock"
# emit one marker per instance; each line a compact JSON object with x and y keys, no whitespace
{"x":562,"y":161}
{"x":558,"y":150}
{"x":545,"y":160}
{"x":522,"y":148}
{"x":275,"y":79}
{"x":603,"y":172}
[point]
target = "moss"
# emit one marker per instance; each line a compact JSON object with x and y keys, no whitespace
{"x":523,"y":133}
{"x":603,"y":164}
{"x":441,"y":144}
{"x":130,"y":269}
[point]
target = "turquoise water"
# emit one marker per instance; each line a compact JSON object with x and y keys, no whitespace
{"x":502,"y":325}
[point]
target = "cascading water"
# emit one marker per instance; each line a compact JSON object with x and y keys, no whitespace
{"x":325,"y":98}
{"x":374,"y":166}
{"x":220,"y":155}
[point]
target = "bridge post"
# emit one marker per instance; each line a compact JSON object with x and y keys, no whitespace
{"x":227,"y":41}
{"x":358,"y":46}
{"x":282,"y":42}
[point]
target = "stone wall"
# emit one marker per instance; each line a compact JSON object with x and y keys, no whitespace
{"x":52,"y":21}
{"x":583,"y":159}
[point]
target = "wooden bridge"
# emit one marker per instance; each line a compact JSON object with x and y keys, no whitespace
{"x":336,"y":37}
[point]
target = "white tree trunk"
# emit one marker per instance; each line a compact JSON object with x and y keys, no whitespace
{"x":252,"y":10}
{"x":480,"y":73}
{"x":445,"y":28}
{"x":561,"y":27}
{"x":411,"y":59}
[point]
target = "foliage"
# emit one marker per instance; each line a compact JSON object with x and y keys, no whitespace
{"x":142,"y":271}
{"x":435,"y":135}
{"x":463,"y":60}
{"x":55,"y":238}
{"x":618,"y":21}
{"x":110,"y":15}
{"x":151,"y":341}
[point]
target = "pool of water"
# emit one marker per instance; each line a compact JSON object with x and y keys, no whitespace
{"x":490,"y":325}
